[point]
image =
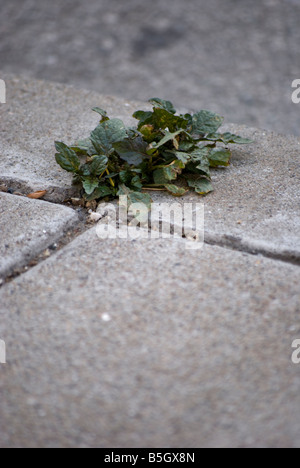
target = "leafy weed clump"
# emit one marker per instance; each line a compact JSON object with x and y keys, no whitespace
{"x":165,"y":151}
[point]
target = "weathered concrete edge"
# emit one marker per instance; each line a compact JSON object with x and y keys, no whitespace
{"x":237,"y":243}
{"x":262,"y":247}
{"x":254,"y":247}
{"x":23,"y":257}
{"x":55,"y":194}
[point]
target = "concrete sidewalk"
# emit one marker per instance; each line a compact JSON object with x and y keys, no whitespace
{"x":122,"y":343}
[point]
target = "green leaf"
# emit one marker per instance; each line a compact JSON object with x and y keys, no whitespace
{"x":219,"y":157}
{"x":203,"y":168}
{"x":135,"y":197}
{"x":124,"y":190}
{"x":136,"y":183}
{"x":188,"y":117}
{"x":162,"y":119}
{"x":175,"y":190}
{"x":187,"y":145}
{"x":167,"y":138}
{"x":181,"y":156}
{"x":138,"y":197}
{"x":201,"y":186}
{"x":84,"y":147}
{"x":205,"y":122}
{"x":200,"y":154}
{"x":178,"y":166}
{"x":67,"y":158}
{"x":98,"y":165}
{"x":100,"y":192}
{"x":142,"y":170}
{"x":200,"y":157}
{"x":106,"y":134}
{"x":164,"y":175}
{"x":160,"y":103}
{"x":228,"y":138}
{"x":125,"y":176}
{"x":89,"y":184}
{"x":142,"y":116}
{"x":132,"y":151}
{"x":149,"y":134}
{"x":129,"y":178}
{"x":132,"y":133}
{"x":231,"y":138}
{"x":102,"y":112}
{"x":85,"y":170}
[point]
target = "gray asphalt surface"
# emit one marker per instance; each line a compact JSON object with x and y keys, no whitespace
{"x":236,"y":57}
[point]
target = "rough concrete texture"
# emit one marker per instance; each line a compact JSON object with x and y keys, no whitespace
{"x":145,"y":344}
{"x":255,"y":205}
{"x":235,"y":57}
{"x":27,"y":227}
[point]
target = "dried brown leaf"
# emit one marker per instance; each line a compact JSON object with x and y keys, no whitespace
{"x":37,"y":195}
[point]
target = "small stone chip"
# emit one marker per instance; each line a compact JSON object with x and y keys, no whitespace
{"x":94,"y":217}
{"x":77,"y":202}
{"x":92,"y":205}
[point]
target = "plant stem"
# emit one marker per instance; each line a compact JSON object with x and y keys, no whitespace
{"x":100,"y":177}
{"x":110,"y":180}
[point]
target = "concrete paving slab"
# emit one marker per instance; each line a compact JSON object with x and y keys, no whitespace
{"x":146,"y":344}
{"x":256,"y":203}
{"x":27,"y":227}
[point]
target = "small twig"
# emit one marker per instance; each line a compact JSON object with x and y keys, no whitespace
{"x":154,"y":189}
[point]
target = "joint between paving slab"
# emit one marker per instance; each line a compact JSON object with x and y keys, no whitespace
{"x":239,"y":245}
{"x":20,"y":187}
{"x":50,"y":229}
{"x":67,"y":238}
{"x":224,"y":241}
